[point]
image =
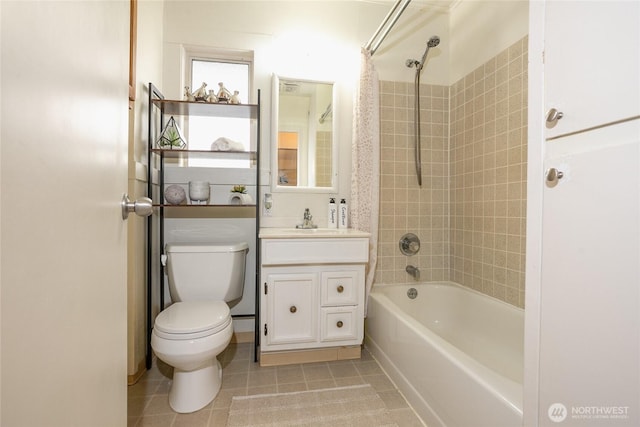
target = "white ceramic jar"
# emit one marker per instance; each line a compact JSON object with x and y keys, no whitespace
{"x":199,"y":192}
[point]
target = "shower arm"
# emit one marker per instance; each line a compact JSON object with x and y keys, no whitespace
{"x":375,"y":41}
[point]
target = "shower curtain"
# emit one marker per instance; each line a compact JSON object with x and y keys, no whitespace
{"x":365,"y":162}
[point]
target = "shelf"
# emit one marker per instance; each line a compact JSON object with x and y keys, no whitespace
{"x":202,"y":206}
{"x":190,"y":108}
{"x":208,"y":211}
{"x":205,"y":154}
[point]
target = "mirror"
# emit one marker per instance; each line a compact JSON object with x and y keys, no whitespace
{"x":303,"y":154}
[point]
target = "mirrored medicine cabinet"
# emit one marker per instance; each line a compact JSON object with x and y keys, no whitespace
{"x":303,"y":142}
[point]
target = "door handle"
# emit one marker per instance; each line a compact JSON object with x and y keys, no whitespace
{"x":142,"y":207}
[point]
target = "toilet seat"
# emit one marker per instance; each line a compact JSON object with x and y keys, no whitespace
{"x":191,"y":320}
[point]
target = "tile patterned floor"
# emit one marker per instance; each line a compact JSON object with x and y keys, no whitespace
{"x":148,"y":400}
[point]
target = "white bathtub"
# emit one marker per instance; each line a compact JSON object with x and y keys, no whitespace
{"x":455,"y":354}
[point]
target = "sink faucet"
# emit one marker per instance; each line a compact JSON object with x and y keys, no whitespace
{"x":413,"y":271}
{"x":307,"y":220}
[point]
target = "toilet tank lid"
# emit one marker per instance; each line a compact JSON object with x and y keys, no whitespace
{"x":206,"y":247}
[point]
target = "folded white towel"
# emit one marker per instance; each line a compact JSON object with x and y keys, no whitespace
{"x":226,"y":144}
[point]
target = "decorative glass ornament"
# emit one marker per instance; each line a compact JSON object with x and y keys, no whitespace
{"x":171,"y":137}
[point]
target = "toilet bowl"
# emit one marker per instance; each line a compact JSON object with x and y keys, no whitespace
{"x":189,"y":336}
{"x":190,"y":333}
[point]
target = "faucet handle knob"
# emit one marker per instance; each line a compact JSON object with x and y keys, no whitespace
{"x":409,"y":244}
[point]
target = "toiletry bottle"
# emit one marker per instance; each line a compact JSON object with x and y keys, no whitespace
{"x":343,"y":214}
{"x":333,"y":214}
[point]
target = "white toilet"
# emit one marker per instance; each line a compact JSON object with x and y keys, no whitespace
{"x":190,"y":333}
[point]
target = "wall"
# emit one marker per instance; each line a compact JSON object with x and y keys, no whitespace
{"x":488,"y":154}
{"x":482,"y":29}
{"x":404,"y":206}
{"x":311,"y":40}
{"x":148,"y":69}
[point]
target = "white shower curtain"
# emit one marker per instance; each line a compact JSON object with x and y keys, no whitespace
{"x":365,"y":162}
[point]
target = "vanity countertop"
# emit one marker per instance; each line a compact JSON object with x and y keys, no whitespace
{"x":305,"y":233}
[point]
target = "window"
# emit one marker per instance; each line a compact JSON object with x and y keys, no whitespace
{"x":234,"y":73}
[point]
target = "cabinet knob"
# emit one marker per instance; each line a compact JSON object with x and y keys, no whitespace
{"x":553,"y":176}
{"x":339,"y":324}
{"x":553,"y":116}
{"x":340,"y":289}
{"x":293,"y":309}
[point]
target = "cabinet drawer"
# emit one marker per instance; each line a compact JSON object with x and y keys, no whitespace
{"x":314,"y":251}
{"x":339,"y":324}
{"x":340,"y":287}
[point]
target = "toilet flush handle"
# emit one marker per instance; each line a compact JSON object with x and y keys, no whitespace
{"x":163,"y":260}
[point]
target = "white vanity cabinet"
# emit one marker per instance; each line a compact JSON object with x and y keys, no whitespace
{"x":312,"y":295}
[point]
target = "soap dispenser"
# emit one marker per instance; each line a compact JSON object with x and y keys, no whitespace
{"x":343,"y":214}
{"x":332,"y":214}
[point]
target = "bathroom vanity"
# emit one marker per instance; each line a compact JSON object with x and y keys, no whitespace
{"x":312,"y":294}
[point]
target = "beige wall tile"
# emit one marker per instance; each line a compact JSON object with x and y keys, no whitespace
{"x":469,"y":212}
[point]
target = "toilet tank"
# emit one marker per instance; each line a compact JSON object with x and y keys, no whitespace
{"x":206,"y":271}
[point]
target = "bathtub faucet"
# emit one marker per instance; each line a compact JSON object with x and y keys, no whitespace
{"x":413,"y":271}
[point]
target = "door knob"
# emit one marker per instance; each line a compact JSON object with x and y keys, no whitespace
{"x":142,"y":207}
{"x":553,"y":116}
{"x":553,"y":176}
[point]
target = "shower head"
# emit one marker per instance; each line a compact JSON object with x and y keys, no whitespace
{"x":433,"y":41}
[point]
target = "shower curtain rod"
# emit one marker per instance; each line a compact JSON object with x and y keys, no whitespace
{"x":397,"y":9}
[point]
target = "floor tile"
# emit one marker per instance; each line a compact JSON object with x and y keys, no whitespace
{"x":149,"y":400}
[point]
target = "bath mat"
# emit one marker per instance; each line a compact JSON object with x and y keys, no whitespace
{"x":356,"y":406}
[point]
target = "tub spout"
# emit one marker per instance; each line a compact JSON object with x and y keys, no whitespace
{"x":413,"y":271}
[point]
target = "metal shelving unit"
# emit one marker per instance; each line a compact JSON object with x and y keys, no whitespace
{"x":159,"y":109}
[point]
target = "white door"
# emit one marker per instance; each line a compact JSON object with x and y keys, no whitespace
{"x":63,"y":241}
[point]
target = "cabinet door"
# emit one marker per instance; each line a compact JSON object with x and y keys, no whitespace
{"x":292,"y":308}
{"x":590,"y":322}
{"x":592,"y":72}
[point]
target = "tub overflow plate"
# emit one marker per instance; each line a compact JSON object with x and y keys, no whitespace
{"x":412,"y":293}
